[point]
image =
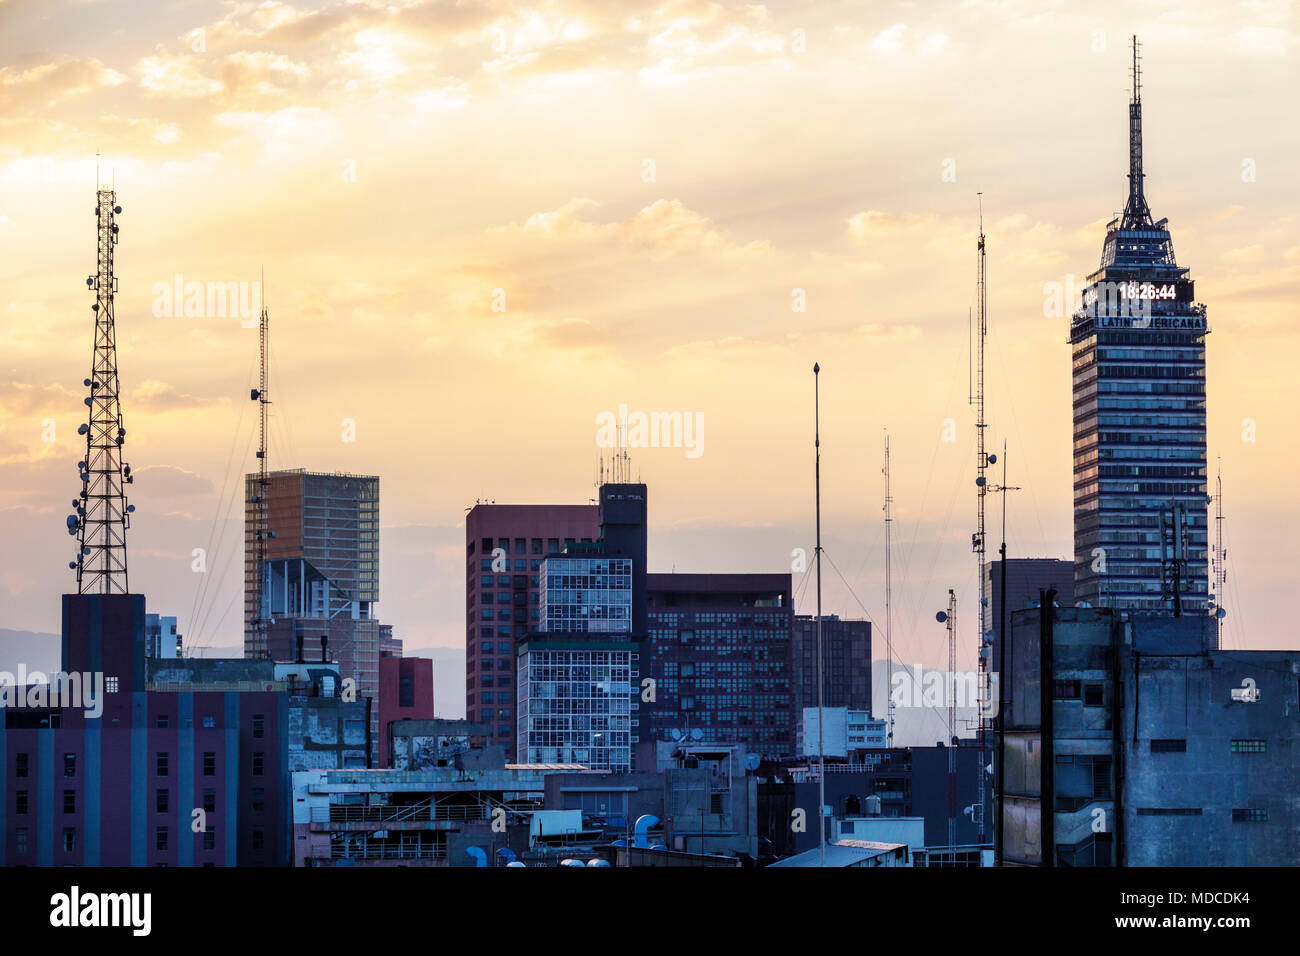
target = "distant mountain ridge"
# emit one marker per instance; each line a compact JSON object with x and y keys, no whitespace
{"x":37,"y":650}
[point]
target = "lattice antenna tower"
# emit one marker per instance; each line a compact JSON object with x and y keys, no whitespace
{"x":101,"y":514}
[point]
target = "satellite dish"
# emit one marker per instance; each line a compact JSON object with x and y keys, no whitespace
{"x":676,"y":734}
{"x":697,"y":734}
{"x":752,"y":761}
{"x":979,"y":482}
{"x":1220,"y":614}
{"x":993,"y":459}
{"x":941,"y":616}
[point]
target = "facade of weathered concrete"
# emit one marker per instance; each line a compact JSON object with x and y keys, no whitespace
{"x":1159,"y":750}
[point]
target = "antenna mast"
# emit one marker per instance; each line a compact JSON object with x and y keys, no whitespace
{"x":821,"y":721}
{"x":1220,"y":557}
{"x":101,"y":514}
{"x":986,"y":686}
{"x":950,"y":619}
{"x":262,"y":529}
{"x":1136,"y":211}
{"x":889,"y":596}
{"x":982,"y":461}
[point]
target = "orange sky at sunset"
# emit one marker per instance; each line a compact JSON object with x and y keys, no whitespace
{"x":647,"y":183}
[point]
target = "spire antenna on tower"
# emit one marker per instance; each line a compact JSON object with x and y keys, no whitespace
{"x":1136,"y":211}
{"x":102,"y":516}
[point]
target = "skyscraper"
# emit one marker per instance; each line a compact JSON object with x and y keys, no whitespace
{"x":578,"y":671}
{"x":504,"y":549}
{"x":320,"y":579}
{"x":1138,"y":339}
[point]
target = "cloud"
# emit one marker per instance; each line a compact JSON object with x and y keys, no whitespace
{"x":665,"y":227}
{"x":169,"y":481}
{"x":161,"y":397}
{"x":39,"y":81}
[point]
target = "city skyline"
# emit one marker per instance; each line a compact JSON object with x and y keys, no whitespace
{"x":642,"y":324}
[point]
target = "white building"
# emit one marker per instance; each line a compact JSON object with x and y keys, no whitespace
{"x":847,"y":734}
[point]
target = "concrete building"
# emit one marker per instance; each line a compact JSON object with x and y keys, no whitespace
{"x":908,"y":782}
{"x":849,"y":736}
{"x":427,"y":817}
{"x":504,"y":549}
{"x":695,"y":799}
{"x":405,"y":693}
{"x":324,"y":730}
{"x":575,"y":701}
{"x":846,"y":662}
{"x":119,"y":788}
{"x":719,"y":652}
{"x":436,"y":742}
{"x":1153,"y":747}
{"x":321,"y":577}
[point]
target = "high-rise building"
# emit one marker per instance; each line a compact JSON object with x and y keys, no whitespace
{"x":504,"y":549}
{"x":1138,"y":339}
{"x":719,"y":652}
{"x":578,"y":673}
{"x":320,"y":580}
{"x":846,"y":662}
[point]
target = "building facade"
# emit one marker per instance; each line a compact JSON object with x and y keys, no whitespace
{"x":405,"y":693}
{"x":1150,"y":747}
{"x":1138,"y":341}
{"x":504,"y":549}
{"x":321,"y":575}
{"x":846,"y":662}
{"x":719,"y":653}
{"x":575,"y":701}
{"x":177,"y":741}
{"x":848,"y":735}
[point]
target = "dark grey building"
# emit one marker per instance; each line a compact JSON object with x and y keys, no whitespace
{"x":719,"y":654}
{"x":909,"y":782}
{"x":1154,"y":748}
{"x":846,"y":663}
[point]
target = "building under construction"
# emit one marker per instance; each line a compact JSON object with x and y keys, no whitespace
{"x":318,"y":578}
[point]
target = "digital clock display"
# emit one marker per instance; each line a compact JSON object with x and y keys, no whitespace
{"x":1116,"y":293}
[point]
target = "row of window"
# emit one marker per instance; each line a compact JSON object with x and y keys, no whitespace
{"x":161,"y":839}
{"x":1239,"y":814}
{"x":1178,"y":745}
{"x":522,"y":545}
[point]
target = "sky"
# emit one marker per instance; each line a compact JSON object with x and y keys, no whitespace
{"x":484,"y":225}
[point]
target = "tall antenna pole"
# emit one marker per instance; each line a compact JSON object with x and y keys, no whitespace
{"x":1000,"y":768}
{"x":950,"y":618}
{"x":1220,"y":558}
{"x":101,"y":514}
{"x":262,"y":529}
{"x":821,"y":722}
{"x":889,"y":597}
{"x":982,"y":461}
